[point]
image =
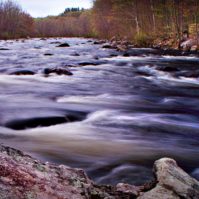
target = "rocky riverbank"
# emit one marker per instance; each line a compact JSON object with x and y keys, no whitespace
{"x":164,"y":46}
{"x":23,"y":177}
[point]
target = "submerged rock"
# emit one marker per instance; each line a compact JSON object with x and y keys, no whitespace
{"x":58,"y":71}
{"x":64,"y":45}
{"x":48,"y":54}
{"x":88,"y":63}
{"x":167,"y":69}
{"x":75,"y":54}
{"x":108,"y":46}
{"x":22,"y":72}
{"x":21,"y":176}
{"x":55,"y":42}
{"x":4,"y":49}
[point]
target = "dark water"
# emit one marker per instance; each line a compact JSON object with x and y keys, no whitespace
{"x":129,"y":111}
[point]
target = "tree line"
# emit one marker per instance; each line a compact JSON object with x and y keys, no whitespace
{"x":134,"y":19}
{"x":14,"y":22}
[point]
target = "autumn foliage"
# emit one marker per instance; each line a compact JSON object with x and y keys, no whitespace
{"x":138,"y":20}
{"x":71,"y":24}
{"x":145,"y":18}
{"x":14,"y":23}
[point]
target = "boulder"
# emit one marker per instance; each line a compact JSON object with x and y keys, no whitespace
{"x":187,"y":45}
{"x":194,"y":48}
{"x":22,"y":177}
{"x":64,"y":45}
{"x":58,"y":71}
{"x":172,"y":182}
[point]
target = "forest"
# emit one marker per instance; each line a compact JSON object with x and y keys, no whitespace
{"x":141,"y":21}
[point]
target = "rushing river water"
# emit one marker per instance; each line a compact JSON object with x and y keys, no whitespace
{"x":127,"y":111}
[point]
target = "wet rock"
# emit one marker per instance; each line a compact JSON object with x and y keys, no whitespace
{"x":108,"y":46}
{"x":48,"y":54}
{"x":75,"y":54}
{"x":99,"y":42}
{"x":42,"y":122}
{"x":188,"y":74}
{"x":126,"y":54}
{"x":64,"y":45}
{"x":58,"y":71}
{"x":167,"y":69}
{"x":143,"y":73}
{"x":88,"y":63}
{"x":4,"y":49}
{"x":55,"y":42}
{"x":122,"y":48}
{"x":113,"y":55}
{"x":172,"y":182}
{"x":71,"y":66}
{"x":22,"y":72}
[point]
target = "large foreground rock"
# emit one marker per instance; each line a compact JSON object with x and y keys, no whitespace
{"x":22,"y":177}
{"x":172,"y":182}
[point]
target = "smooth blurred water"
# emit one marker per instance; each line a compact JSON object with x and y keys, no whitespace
{"x":133,"y":111}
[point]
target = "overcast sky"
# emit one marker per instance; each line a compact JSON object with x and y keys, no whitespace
{"x":42,"y":8}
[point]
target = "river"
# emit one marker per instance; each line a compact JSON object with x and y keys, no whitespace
{"x":124,"y":112}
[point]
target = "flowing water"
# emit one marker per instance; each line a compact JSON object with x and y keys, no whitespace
{"x":127,"y":111}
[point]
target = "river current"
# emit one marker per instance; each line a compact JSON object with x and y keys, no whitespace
{"x":127,"y":110}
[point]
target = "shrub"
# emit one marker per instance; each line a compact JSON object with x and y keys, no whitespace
{"x":143,"y":40}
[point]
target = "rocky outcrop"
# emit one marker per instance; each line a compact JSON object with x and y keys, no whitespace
{"x":190,"y":44}
{"x":172,"y":182}
{"x":22,"y":177}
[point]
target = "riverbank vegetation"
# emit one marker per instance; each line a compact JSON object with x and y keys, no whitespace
{"x":141,"y":21}
{"x":14,"y":22}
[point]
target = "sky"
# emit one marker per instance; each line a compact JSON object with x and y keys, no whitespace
{"x":42,"y":8}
